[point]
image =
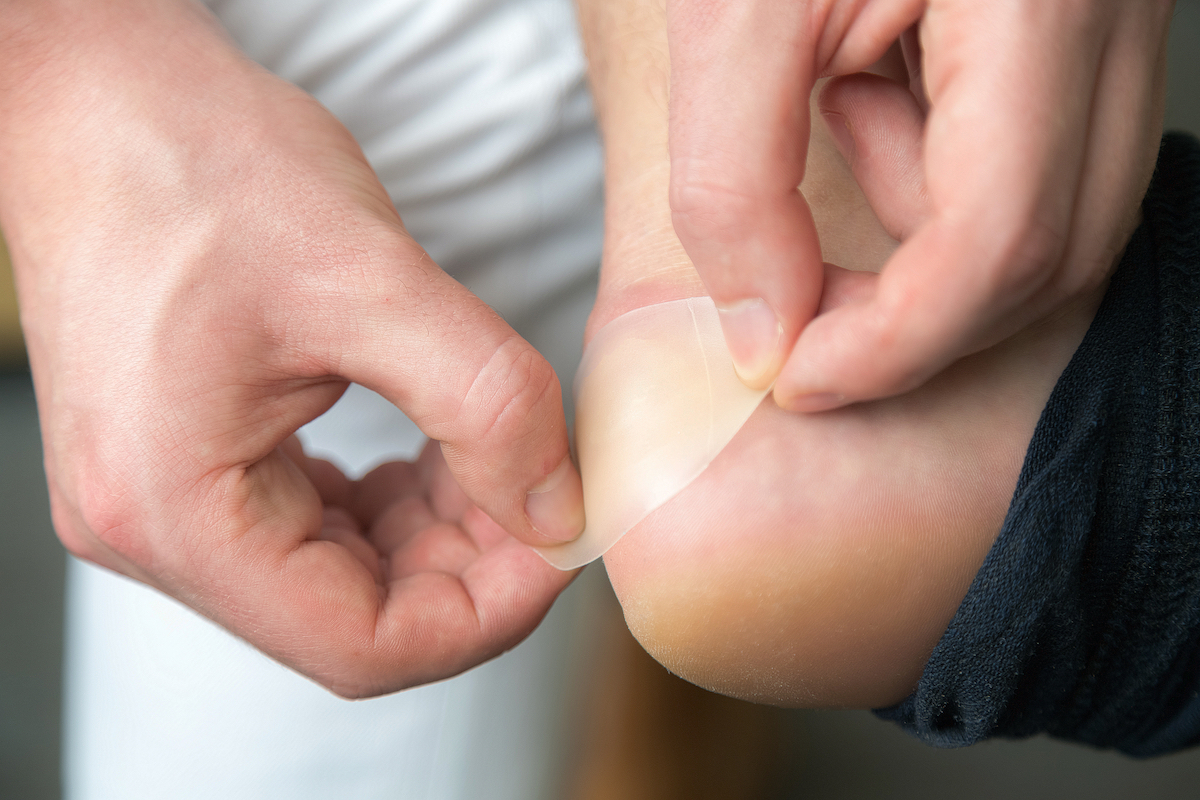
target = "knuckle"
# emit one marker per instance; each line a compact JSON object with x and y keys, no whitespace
{"x":104,"y":517}
{"x":502,"y":404}
{"x":111,"y":524}
{"x":1026,"y":255}
{"x":706,"y":209}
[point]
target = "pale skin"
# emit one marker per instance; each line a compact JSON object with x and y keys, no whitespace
{"x":204,"y":260}
{"x":819,"y":558}
{"x":185,"y":314}
{"x":1064,"y":97}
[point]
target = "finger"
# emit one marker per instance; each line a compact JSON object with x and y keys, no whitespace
{"x":482,"y":529}
{"x":332,"y":486}
{"x":878,"y":127}
{"x":340,"y":527}
{"x":312,"y":604}
{"x":329,"y":481}
{"x":423,"y":341}
{"x":293,"y":448}
{"x":381,"y":487}
{"x":1010,"y":87}
{"x":408,"y":530}
{"x":493,"y":604}
{"x":1122,"y":148}
{"x":910,"y":46}
{"x":400,"y":521}
{"x":844,"y":286}
{"x":737,"y":157}
{"x":446,"y":497}
{"x":439,"y":547}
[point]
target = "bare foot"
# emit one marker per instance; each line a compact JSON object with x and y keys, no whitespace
{"x":820,"y":557}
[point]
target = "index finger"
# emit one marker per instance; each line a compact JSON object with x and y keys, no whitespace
{"x":741,"y":75}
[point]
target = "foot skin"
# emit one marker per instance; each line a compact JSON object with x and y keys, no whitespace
{"x":819,"y":558}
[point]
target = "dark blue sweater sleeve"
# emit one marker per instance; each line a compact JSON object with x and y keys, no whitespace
{"x":1084,"y":620}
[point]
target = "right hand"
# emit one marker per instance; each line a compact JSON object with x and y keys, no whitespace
{"x":1043,"y":127}
{"x":204,"y":261}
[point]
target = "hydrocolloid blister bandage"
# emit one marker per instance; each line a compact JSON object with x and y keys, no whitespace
{"x":656,"y":399}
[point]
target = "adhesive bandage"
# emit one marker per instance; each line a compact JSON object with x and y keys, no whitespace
{"x":656,"y":399}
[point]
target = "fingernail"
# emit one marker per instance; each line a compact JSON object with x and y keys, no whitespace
{"x":753,"y":334}
{"x":839,"y":129}
{"x":812,"y":403}
{"x":555,"y":506}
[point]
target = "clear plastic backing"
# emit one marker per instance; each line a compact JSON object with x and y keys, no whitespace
{"x":656,"y":399}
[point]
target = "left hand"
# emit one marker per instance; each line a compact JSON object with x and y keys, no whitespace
{"x":1043,"y":125}
{"x":818,"y":558}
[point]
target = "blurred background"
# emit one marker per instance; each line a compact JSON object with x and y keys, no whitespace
{"x":647,"y":734}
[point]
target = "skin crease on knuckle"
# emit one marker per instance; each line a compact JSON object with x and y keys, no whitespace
{"x":819,"y":558}
{"x":506,"y":403}
{"x":706,"y":211}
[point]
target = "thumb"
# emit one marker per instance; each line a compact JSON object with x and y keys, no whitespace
{"x":467,"y":380}
{"x":878,"y":126}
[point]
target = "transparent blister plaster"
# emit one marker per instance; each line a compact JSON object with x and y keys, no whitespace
{"x":656,"y":399}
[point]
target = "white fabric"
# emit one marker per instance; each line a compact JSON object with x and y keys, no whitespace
{"x":475,"y":115}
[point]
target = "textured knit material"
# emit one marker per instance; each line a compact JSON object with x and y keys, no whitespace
{"x":1084,"y":620}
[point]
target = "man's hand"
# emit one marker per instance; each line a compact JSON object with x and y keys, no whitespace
{"x":204,"y":261}
{"x":1043,"y":126}
{"x":818,"y":558}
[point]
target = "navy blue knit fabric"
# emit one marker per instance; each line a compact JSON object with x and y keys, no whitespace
{"x":1084,"y":620}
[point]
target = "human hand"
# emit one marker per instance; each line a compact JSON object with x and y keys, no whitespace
{"x":819,"y":558}
{"x":204,"y":261}
{"x":1043,"y":125}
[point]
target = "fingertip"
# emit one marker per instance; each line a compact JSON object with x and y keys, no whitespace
{"x":555,"y":505}
{"x":878,"y":127}
{"x":331,"y":483}
{"x":806,"y":384}
{"x":754,"y":336}
{"x":387,"y":484}
{"x":831,"y":102}
{"x":855,"y":353}
{"x":754,"y":246}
